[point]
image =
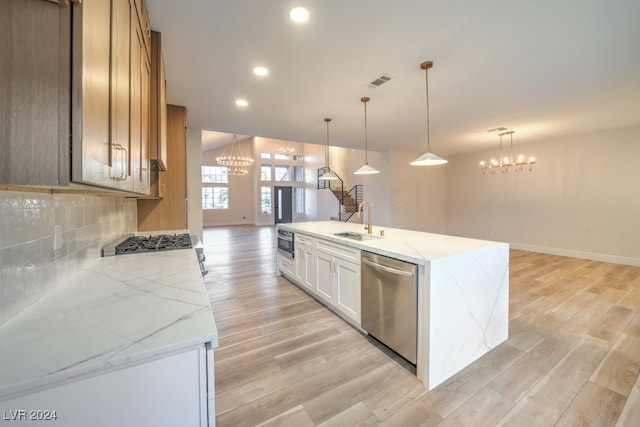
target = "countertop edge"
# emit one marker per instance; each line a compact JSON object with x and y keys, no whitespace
{"x":410,"y":250}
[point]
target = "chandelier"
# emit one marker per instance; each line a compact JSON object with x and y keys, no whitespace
{"x":507,"y":164}
{"x":233,"y":158}
{"x":428,"y":158}
{"x":286,"y":149}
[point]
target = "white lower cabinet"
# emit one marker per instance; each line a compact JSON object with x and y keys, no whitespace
{"x":347,"y":288}
{"x":325,"y":277}
{"x":305,"y":266}
{"x":176,"y":390}
{"x":329,"y":271}
{"x":286,"y":266}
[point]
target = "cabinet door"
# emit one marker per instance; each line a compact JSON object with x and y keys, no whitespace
{"x":90,"y":92}
{"x":158,"y":109}
{"x":347,"y":289}
{"x":139,"y":110}
{"x":166,"y":392}
{"x":34,"y":88}
{"x":286,"y":265}
{"x":121,"y":148}
{"x":324,"y":275}
{"x":305,"y":266}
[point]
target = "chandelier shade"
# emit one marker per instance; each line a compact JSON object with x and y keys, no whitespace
{"x":233,"y":158}
{"x":366,"y":169}
{"x":429,"y":158}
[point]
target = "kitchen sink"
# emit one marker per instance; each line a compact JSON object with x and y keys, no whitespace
{"x":355,"y":236}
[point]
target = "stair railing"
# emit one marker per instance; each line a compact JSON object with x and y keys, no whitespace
{"x":348,"y":201}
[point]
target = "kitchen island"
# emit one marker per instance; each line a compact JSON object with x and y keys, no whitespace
{"x":128,"y":342}
{"x":463,"y":288}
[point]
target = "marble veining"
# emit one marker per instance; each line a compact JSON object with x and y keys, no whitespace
{"x":464,"y":292}
{"x":117,"y":311}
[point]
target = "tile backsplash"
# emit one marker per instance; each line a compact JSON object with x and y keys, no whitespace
{"x":45,"y":239}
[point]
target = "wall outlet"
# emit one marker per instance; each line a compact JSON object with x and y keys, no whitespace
{"x":57,"y":237}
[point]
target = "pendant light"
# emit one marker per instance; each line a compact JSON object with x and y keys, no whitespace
{"x":428,"y":158}
{"x":328,"y":175}
{"x":366,"y":169}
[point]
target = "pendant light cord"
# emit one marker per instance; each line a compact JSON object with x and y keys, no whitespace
{"x":366,"y":148}
{"x":426,"y":75}
{"x":327,"y":120}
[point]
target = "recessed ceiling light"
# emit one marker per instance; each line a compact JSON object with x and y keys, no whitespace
{"x":299,"y":14}
{"x":241,"y":102}
{"x":261,"y":71}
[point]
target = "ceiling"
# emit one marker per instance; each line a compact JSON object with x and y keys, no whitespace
{"x":543,"y":68}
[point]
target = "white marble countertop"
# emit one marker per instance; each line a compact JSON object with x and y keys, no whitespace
{"x":412,"y":246}
{"x":118,"y":311}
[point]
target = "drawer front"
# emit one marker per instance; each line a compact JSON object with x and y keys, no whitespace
{"x":286,"y":265}
{"x":344,"y":252}
{"x":304,"y":240}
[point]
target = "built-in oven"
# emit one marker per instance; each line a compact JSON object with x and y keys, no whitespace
{"x":285,"y":243}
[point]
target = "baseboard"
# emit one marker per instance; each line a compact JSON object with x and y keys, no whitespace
{"x":614,"y":259}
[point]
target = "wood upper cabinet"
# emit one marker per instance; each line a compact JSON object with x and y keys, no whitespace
{"x":122,"y":148}
{"x":76,"y":109}
{"x":139,"y":110}
{"x":158,"y":134}
{"x":111,"y":120}
{"x":170,"y":212}
{"x":34,"y":87}
{"x":145,"y":26}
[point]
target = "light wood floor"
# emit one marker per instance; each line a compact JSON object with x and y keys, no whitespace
{"x":572,"y":358}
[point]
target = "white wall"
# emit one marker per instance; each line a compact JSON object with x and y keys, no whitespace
{"x":417,"y":194}
{"x":242,"y":208}
{"x":582,"y":198}
{"x":376,"y":187}
{"x":319,"y":205}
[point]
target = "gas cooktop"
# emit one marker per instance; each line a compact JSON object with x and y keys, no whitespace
{"x":159,"y":242}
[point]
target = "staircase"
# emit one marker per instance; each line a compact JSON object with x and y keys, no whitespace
{"x":348,"y":201}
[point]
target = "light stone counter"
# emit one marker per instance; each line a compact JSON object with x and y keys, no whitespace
{"x":118,"y":311}
{"x":463,"y":291}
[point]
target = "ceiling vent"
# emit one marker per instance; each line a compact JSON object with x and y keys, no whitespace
{"x":379,"y":81}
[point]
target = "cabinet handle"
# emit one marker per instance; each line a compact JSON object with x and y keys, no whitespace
{"x":123,"y":174}
{"x":125,"y":164}
{"x":115,"y":162}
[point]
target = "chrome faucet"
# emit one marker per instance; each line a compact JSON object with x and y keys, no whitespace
{"x":367,"y":227}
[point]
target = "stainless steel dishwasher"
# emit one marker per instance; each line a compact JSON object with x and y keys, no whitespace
{"x":390,"y":303}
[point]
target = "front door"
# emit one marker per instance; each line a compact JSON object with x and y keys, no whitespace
{"x":283,"y":205}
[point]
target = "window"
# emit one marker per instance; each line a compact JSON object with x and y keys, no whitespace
{"x":215,"y":198}
{"x":298,"y":199}
{"x":215,"y":174}
{"x":282,"y":173}
{"x":265,"y":155}
{"x":265,"y":200}
{"x":298,"y":157}
{"x":298,"y":173}
{"x":265,"y":173}
{"x":280,"y":156}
